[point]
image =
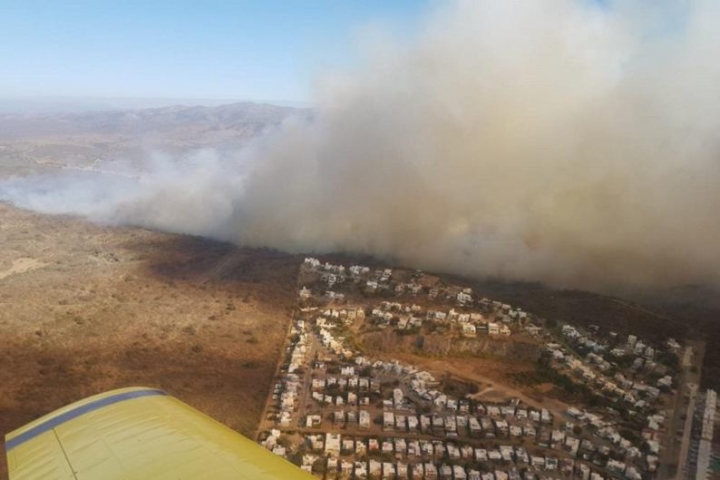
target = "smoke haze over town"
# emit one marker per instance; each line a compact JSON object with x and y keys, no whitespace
{"x":566,"y":142}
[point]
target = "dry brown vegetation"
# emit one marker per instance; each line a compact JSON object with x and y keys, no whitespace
{"x":86,"y":308}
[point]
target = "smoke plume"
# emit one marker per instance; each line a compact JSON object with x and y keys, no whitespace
{"x":571,"y":142}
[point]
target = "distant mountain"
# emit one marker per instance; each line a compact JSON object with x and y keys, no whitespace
{"x":40,"y":143}
{"x":244,"y":118}
{"x":46,"y":105}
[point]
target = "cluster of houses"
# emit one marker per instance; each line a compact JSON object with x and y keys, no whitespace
{"x":593,"y":369}
{"x":455,"y":419}
{"x":615,"y":442}
{"x":346,"y":395}
{"x":361,"y":418}
{"x":339,"y":456}
{"x":495,"y":319}
{"x":329,"y":295}
{"x":468,"y":323}
{"x":329,"y":341}
{"x":346,"y":315}
{"x":331,"y":274}
{"x":384,"y":280}
{"x":636,"y":394}
{"x":290,"y":385}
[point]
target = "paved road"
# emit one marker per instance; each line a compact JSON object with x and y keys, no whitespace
{"x":685,"y":445}
{"x":670,"y":452}
{"x":675,"y":451}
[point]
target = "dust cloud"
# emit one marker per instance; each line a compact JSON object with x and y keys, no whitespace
{"x":570,"y":142}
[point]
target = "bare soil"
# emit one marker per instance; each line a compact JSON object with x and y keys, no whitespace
{"x":491,"y":375}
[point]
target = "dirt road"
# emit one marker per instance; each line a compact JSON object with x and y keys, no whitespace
{"x":471,"y":370}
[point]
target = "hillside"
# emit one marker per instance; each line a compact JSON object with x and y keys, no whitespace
{"x":35,"y":143}
{"x":85,"y":309}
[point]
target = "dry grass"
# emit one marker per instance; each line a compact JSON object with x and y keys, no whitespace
{"x":106,"y":308}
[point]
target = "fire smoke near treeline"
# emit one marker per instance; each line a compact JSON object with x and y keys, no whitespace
{"x":571,"y":142}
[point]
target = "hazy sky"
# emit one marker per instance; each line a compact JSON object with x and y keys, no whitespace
{"x":257,"y":50}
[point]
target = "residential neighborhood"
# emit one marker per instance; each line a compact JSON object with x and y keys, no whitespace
{"x":339,"y":412}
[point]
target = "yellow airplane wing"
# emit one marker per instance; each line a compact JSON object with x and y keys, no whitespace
{"x":138,"y":434}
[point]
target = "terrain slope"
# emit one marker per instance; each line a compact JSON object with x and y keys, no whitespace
{"x":86,"y":308}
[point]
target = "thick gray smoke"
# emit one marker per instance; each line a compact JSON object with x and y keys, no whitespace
{"x":570,"y":142}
